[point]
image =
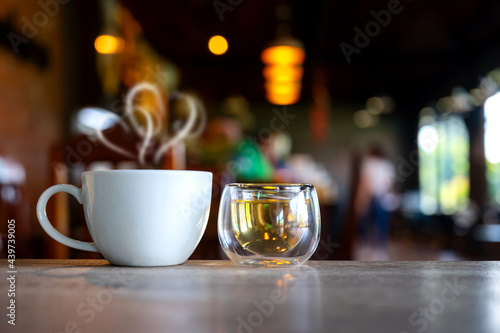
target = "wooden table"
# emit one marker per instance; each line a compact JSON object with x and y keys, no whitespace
{"x":216,"y":296}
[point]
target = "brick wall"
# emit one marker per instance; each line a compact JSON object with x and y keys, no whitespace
{"x":31,"y":100}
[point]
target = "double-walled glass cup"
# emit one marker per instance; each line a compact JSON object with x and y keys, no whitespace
{"x":269,"y":224}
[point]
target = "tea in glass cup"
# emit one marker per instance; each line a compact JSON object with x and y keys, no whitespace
{"x":269,"y":224}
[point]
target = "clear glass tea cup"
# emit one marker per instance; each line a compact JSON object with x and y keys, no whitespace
{"x":269,"y":224}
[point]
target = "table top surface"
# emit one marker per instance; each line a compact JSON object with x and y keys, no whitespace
{"x":217,"y":296}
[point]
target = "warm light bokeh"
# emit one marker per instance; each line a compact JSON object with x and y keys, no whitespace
{"x":218,"y":45}
{"x":285,"y":88}
{"x":106,"y":44}
{"x":283,"y":55}
{"x":283,"y":73}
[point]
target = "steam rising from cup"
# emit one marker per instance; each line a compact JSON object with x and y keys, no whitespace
{"x":151,"y":130}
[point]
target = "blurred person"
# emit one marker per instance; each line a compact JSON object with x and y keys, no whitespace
{"x":251,"y":163}
{"x":372,"y":210}
{"x":277,"y":149}
{"x":264,"y":159}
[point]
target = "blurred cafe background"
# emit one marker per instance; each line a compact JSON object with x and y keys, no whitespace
{"x":391,"y":109}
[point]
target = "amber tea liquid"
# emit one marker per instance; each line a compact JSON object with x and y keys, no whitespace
{"x":269,"y":226}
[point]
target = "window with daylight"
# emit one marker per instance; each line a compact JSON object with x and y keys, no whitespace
{"x":491,"y":145}
{"x":443,"y":143}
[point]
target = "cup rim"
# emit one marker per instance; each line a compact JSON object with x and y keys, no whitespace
{"x":272,"y":186}
{"x":116,"y":171}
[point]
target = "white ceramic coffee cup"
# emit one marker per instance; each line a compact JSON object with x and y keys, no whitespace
{"x":138,"y":217}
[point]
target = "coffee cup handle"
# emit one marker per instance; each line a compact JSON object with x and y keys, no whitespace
{"x":41,"y":213}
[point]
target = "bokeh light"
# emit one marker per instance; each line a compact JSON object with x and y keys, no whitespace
{"x":428,"y":138}
{"x":283,"y":55}
{"x":491,"y":133}
{"x":218,"y":45}
{"x":283,"y":73}
{"x":107,"y":44}
{"x":364,"y":119}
